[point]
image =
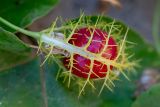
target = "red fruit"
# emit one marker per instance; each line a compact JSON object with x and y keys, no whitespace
{"x":81,"y":64}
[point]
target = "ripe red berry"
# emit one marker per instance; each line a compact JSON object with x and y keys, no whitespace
{"x":81,"y":64}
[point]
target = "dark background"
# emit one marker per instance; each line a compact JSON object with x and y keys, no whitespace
{"x":138,"y":14}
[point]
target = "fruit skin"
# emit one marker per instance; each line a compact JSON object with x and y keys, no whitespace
{"x":81,"y":64}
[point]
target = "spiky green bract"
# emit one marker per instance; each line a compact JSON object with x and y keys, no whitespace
{"x":54,"y":41}
{"x":121,"y":64}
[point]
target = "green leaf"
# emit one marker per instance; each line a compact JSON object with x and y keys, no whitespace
{"x":21,"y":87}
{"x":24,"y":12}
{"x":20,"y":13}
{"x":149,"y":98}
{"x":12,"y":50}
{"x":143,"y":51}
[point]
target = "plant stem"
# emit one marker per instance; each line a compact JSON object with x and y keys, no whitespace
{"x":35,"y":35}
{"x":49,"y":40}
{"x":156,"y":26}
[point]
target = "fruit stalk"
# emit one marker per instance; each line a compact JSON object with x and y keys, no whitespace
{"x":35,"y":35}
{"x":49,"y":40}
